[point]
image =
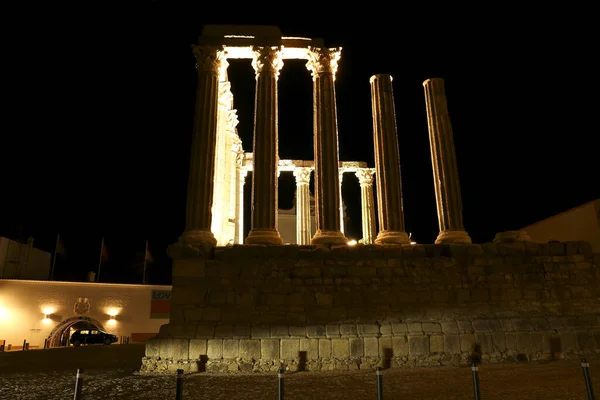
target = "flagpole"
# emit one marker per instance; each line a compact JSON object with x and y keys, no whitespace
{"x":54,"y":257}
{"x":100,"y":262}
{"x":145,"y":262}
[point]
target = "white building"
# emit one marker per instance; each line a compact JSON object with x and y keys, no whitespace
{"x":23,"y":261}
{"x":47,"y":312}
{"x":581,"y":223}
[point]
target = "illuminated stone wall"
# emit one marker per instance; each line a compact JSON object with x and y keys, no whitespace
{"x":252,"y":308}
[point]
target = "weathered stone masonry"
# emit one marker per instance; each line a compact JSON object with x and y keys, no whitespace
{"x":253,"y":308}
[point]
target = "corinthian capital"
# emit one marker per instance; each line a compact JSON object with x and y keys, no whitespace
{"x":302,"y":175}
{"x":365,"y":176}
{"x":323,"y":60}
{"x":267,"y":59}
{"x":210,"y":58}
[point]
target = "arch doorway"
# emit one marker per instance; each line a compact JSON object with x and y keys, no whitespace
{"x":60,"y":335}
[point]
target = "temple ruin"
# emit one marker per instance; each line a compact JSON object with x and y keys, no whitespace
{"x":254,"y":304}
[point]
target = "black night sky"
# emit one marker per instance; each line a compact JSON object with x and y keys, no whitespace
{"x":104,"y":110}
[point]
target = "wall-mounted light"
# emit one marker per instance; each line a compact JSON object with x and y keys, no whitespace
{"x":4,"y":314}
{"x":112,"y":311}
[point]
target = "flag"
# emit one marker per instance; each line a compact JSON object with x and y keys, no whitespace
{"x":104,"y":252}
{"x":148,"y":257}
{"x":60,"y":247}
{"x":103,"y":258}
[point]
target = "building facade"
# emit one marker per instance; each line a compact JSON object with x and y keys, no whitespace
{"x":22,"y":260}
{"x":581,"y":223}
{"x":46,"y":313}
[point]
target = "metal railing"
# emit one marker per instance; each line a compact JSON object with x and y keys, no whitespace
{"x":379,"y":387}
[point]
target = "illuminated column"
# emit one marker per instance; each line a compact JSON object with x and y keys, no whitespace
{"x":242,"y":172}
{"x":387,"y":163}
{"x":200,"y":182}
{"x":267,"y":63}
{"x":365,"y":178}
{"x":341,"y":174}
{"x":322,"y":63}
{"x":445,"y":170}
{"x":302,"y":205}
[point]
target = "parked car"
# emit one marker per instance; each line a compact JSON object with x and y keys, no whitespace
{"x":91,"y":336}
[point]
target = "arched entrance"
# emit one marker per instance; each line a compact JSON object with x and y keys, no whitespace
{"x":59,"y":337}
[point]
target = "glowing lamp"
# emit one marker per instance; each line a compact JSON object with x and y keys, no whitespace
{"x":112,"y":312}
{"x":4,"y":314}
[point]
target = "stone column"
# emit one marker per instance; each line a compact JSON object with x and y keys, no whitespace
{"x":267,"y":63}
{"x":365,"y":178}
{"x":242,"y":172}
{"x":445,"y":170}
{"x":322,"y":63}
{"x":302,"y":205}
{"x":341,"y":202}
{"x":387,"y":163}
{"x":204,"y":139}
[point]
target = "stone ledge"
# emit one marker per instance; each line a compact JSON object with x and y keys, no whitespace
{"x":380,"y":329}
{"x":262,"y":355}
{"x":236,"y":252}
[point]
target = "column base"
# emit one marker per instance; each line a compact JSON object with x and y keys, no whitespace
{"x":198,"y":238}
{"x":392,"y":238}
{"x":453,"y":237}
{"x":264,"y":236}
{"x":512,"y":237}
{"x":328,"y":238}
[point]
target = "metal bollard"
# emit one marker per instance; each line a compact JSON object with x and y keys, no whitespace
{"x":280,"y":379}
{"x":78,"y":384}
{"x":179,"y":392}
{"x":475,"y":371}
{"x":588,"y":382}
{"x":379,"y":383}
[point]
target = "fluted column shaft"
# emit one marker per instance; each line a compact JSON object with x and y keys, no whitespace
{"x":445,"y":169}
{"x":203,"y":148}
{"x":323,"y":65}
{"x":240,"y":204}
{"x":387,"y":163}
{"x":303,"y":228}
{"x":365,"y":179}
{"x":341,"y":202}
{"x":267,"y":63}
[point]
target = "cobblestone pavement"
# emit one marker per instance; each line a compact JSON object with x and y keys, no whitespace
{"x":552,"y":380}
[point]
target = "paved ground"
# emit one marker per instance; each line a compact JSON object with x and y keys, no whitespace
{"x":52,"y":376}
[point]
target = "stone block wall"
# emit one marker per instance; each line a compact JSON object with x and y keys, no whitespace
{"x":254,"y":308}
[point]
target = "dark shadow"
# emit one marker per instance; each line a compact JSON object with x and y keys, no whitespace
{"x":521,"y":357}
{"x":302,"y":357}
{"x":55,"y":318}
{"x":202,"y":363}
{"x":475,"y":357}
{"x":555,"y":347}
{"x":386,"y":362}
